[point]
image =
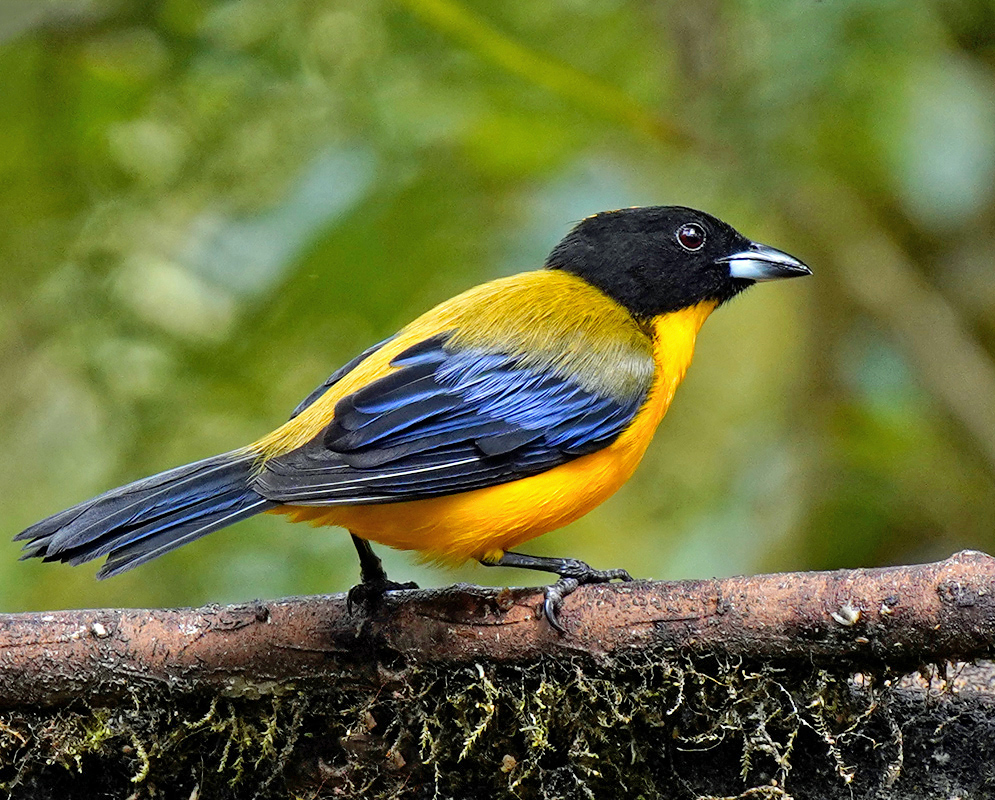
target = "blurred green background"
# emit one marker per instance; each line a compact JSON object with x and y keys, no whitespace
{"x":205,"y":207}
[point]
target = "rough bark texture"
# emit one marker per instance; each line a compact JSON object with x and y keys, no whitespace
{"x":769,"y":686}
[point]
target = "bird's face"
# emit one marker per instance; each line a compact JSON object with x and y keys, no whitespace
{"x":658,"y":259}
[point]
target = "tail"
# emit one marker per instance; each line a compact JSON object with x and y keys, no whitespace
{"x":138,"y":522}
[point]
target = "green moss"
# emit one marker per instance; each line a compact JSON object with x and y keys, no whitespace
{"x":151,"y":743}
{"x":651,"y":727}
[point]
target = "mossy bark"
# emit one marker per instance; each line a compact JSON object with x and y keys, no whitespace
{"x":633,"y":727}
{"x":468,"y":693}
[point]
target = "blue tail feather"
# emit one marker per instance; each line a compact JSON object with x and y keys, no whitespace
{"x":135,"y":523}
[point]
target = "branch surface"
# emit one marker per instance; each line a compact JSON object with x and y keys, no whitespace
{"x":897,"y":617}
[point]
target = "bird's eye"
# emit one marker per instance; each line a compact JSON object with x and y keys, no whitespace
{"x":691,"y":236}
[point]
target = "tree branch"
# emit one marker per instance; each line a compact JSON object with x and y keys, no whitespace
{"x":899,"y":617}
{"x":734,"y":683}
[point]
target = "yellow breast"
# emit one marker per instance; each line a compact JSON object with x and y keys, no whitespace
{"x":483,"y":523}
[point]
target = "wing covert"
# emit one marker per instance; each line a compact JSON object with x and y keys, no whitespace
{"x":444,"y":422}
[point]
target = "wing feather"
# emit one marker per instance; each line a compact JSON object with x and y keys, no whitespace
{"x":447,"y":421}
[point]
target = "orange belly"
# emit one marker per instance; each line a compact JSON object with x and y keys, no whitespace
{"x":483,"y":523}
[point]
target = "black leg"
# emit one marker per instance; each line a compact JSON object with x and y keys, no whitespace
{"x":373,"y":579}
{"x":370,"y":566}
{"x":573,"y":573}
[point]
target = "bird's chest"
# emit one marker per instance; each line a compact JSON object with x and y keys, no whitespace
{"x":674,"y":336}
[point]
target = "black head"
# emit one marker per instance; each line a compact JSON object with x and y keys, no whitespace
{"x":664,"y":258}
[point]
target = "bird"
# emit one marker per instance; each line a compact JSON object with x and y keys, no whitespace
{"x":501,"y":414}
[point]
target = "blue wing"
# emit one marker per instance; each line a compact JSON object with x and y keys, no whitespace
{"x":446,"y":422}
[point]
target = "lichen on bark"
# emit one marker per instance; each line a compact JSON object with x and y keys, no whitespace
{"x":646,"y":726}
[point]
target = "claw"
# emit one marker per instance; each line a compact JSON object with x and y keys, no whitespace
{"x":575,"y":574}
{"x":554,"y":599}
{"x":369,"y":594}
{"x":572,"y":573}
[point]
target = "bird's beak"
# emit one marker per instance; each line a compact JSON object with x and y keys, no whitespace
{"x":762,"y":263}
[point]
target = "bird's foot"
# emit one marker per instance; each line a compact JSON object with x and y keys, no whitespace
{"x":370,"y":593}
{"x":374,"y":583}
{"x":573,"y":574}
